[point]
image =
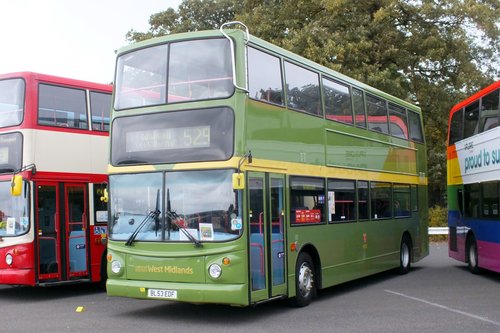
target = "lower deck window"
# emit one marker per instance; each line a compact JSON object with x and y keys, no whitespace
{"x":307,"y":200}
{"x":341,"y":200}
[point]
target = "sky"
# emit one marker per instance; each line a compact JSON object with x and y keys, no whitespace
{"x":69,"y":38}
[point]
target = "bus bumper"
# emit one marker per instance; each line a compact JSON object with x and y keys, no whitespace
{"x":232,"y":294}
{"x":17,"y":276}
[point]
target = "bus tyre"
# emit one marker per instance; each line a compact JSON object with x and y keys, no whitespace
{"x":305,"y":288}
{"x":405,"y":255}
{"x":472,"y":257}
{"x":104,"y":272}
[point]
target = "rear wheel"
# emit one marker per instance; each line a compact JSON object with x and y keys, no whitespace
{"x":305,"y":284}
{"x":472,"y":257}
{"x":405,"y":255}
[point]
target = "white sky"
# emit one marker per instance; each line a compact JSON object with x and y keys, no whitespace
{"x":69,"y":38}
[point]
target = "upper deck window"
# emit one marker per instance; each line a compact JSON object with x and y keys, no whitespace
{"x":62,"y":106}
{"x":456,"y":128}
{"x":377,"y":114}
{"x":141,"y":77}
{"x":490,"y":110}
{"x":398,"y":121}
{"x":416,"y":133}
{"x":471,"y":117}
{"x":358,"y":103}
{"x":189,"y":71}
{"x":11,"y":102}
{"x":264,"y":77}
{"x":337,"y":101}
{"x":302,"y":88}
{"x":100,"y":107}
{"x":199,"y":69}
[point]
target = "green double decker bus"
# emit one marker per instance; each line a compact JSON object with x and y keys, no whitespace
{"x":241,"y":173}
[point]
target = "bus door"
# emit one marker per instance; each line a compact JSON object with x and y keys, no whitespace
{"x":61,"y":231}
{"x":267,"y":235}
{"x":76,"y":235}
{"x":48,"y":231}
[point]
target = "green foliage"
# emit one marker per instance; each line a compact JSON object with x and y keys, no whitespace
{"x":438,"y":216}
{"x":430,"y":52}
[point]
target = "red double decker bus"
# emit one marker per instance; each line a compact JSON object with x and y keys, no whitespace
{"x":53,"y":155}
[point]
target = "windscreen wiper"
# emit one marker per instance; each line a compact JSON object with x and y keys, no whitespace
{"x":174,"y":217}
{"x":151,"y":215}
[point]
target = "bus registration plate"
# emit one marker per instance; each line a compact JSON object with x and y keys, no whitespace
{"x":162,"y":293}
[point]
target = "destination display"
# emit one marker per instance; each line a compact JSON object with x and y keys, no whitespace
{"x":10,"y":151}
{"x":173,"y":137}
{"x":168,"y":138}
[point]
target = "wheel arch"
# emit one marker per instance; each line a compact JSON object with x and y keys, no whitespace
{"x":314,"y":254}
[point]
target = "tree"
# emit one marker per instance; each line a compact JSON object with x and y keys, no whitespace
{"x":430,"y":52}
{"x":192,"y":15}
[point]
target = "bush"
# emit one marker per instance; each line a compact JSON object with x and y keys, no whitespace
{"x":438,"y":216}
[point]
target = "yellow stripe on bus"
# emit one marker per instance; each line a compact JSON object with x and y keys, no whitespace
{"x":299,"y":169}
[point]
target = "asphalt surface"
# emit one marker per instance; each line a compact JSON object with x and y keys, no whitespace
{"x":438,"y":295}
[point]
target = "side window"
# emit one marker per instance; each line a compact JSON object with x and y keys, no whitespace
{"x":490,"y":199}
{"x":61,"y":106}
{"x":490,"y":110}
{"x":456,"y":129}
{"x":380,"y":194}
{"x":471,"y":117}
{"x":100,"y":206}
{"x":398,"y":123}
{"x":358,"y":103}
{"x":402,"y":200}
{"x":341,"y":200}
{"x":302,"y":88}
{"x":414,"y":198}
{"x":100,"y":107}
{"x":264,"y":77}
{"x":337,"y":101}
{"x":472,"y":200}
{"x":377,"y":114}
{"x":415,"y":127}
{"x":363,"y":200}
{"x":307,"y":200}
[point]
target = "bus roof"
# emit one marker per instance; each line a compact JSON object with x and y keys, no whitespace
{"x":57,"y":79}
{"x":476,"y":96}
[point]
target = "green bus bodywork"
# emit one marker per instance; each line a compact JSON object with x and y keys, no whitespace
{"x":287,"y":147}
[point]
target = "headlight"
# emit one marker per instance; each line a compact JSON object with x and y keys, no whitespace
{"x":116,"y":266}
{"x":215,"y":271}
{"x":9,"y":259}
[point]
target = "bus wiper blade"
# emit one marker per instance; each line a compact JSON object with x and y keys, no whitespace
{"x":174,"y":217}
{"x":151,"y":215}
{"x":7,"y":170}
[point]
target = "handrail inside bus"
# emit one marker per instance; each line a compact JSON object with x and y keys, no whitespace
{"x":233,"y":56}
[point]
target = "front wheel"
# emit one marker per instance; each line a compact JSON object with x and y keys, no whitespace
{"x":305,"y":287}
{"x":472,"y":256}
{"x":405,"y":255}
